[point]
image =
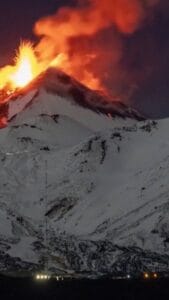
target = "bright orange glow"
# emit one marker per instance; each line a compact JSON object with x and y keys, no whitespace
{"x":59,"y":60}
{"x":72,"y":67}
{"x":86,"y":42}
{"x":72,"y":37}
{"x":26,"y":68}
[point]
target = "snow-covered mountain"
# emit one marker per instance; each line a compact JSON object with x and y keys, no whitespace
{"x":83,"y":183}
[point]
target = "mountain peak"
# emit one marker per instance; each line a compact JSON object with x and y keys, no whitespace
{"x":55,"y":82}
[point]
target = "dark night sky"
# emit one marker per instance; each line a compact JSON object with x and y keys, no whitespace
{"x":18,"y":16}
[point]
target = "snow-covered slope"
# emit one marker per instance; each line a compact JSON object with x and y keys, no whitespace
{"x":80,"y":189}
{"x":54,"y":91}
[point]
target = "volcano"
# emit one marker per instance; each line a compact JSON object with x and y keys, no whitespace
{"x":83,"y":183}
{"x":57,"y":83}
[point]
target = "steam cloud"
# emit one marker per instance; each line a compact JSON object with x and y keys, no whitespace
{"x":92,"y":39}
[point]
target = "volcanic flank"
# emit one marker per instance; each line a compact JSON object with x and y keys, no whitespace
{"x":98,"y":177}
{"x":55,"y":82}
{"x":97,"y":42}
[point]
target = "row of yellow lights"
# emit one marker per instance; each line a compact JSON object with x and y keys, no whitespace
{"x":46,"y":277}
{"x":150,"y":275}
{"x":42,"y":277}
{"x":146,"y":275}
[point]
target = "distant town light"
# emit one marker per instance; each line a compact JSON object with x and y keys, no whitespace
{"x":42,"y":277}
{"x":146,"y":275}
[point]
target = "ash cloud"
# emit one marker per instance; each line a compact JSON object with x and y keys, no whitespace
{"x":113,"y":43}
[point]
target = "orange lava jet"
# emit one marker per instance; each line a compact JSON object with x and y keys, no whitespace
{"x":25,"y":69}
{"x":87,"y":42}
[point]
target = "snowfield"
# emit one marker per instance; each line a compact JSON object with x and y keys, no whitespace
{"x":83,"y":188}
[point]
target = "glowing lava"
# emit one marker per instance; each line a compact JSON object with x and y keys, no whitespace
{"x":25,"y":69}
{"x":27,"y":66}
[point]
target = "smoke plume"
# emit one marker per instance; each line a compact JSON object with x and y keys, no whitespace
{"x":90,"y":41}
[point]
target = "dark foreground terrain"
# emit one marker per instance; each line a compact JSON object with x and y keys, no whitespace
{"x":84,"y":289}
